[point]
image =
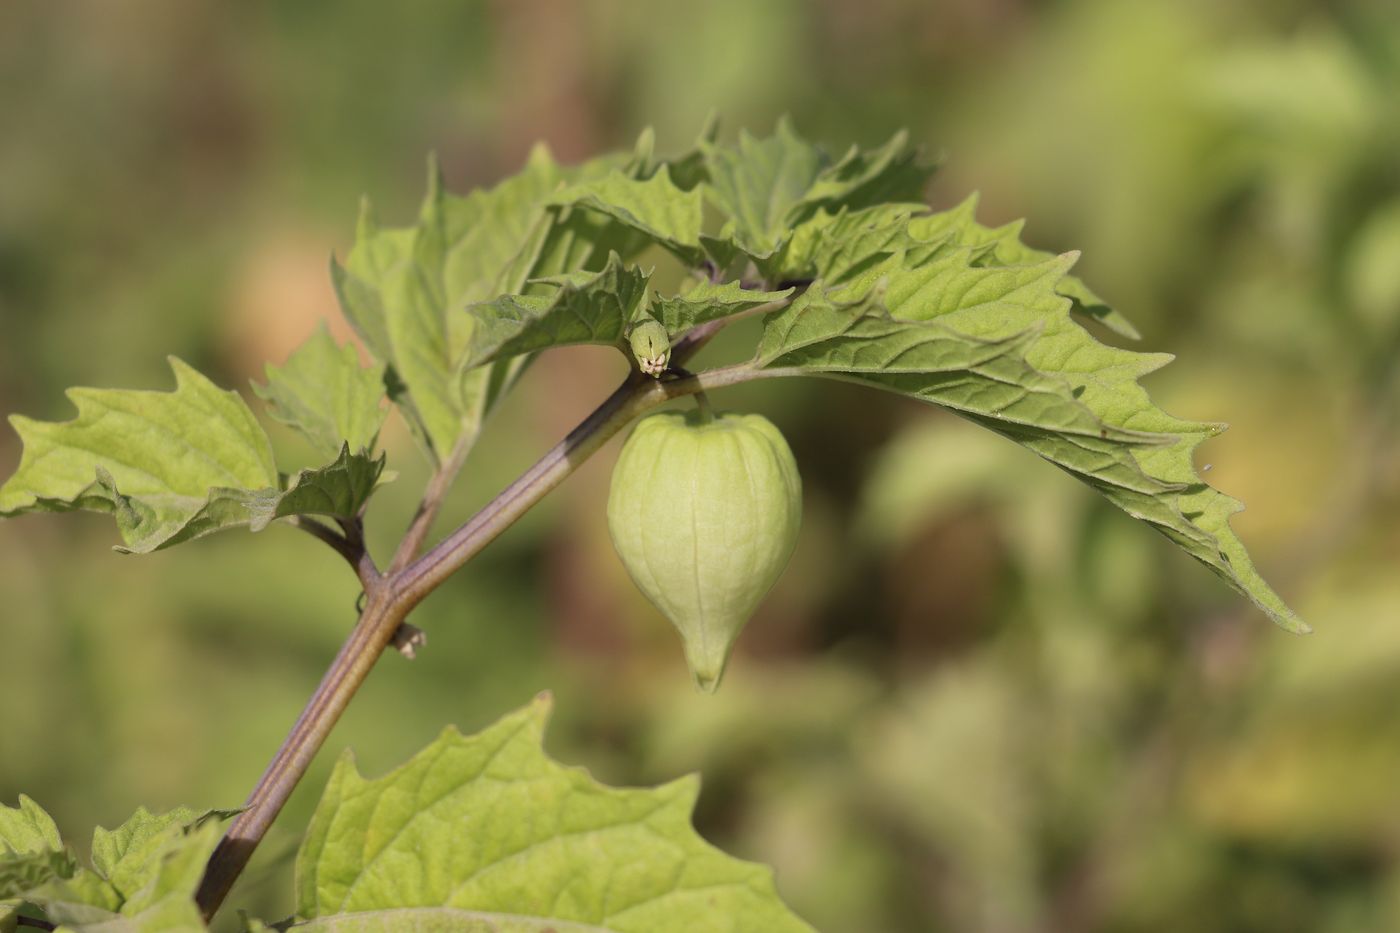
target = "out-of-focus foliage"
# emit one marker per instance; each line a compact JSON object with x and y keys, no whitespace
{"x":143,"y":877}
{"x":979,"y":699}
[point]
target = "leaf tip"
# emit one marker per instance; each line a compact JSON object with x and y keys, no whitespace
{"x":435,"y":181}
{"x":367,"y":223}
{"x":541,"y":707}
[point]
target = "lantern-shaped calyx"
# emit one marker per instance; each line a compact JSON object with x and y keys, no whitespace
{"x":704,"y":512}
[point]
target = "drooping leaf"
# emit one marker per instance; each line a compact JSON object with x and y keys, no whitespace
{"x":997,"y":345}
{"x":488,"y":829}
{"x":324,"y":393}
{"x":172,"y":466}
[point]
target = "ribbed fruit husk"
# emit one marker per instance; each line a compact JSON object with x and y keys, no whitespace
{"x":704,"y":512}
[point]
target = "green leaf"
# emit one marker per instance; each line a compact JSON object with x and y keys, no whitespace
{"x":708,"y":301}
{"x":653,"y":207}
{"x":403,"y":288}
{"x":20,"y":874}
{"x":27,"y":829}
{"x":491,"y":827}
{"x":840,"y":246}
{"x":31,"y":852}
{"x":863,"y":178}
{"x":582,"y":308}
{"x":997,"y":345}
{"x":171,"y":466}
{"x":836,"y":247}
{"x":161,"y":874}
{"x":174,"y":863}
{"x":767,"y":186}
{"x":128,"y":856}
{"x":759,"y":182}
{"x":323,"y":393}
{"x":148,"y":870}
{"x":397,"y":286}
{"x":1002,"y":246}
{"x":167,"y":449}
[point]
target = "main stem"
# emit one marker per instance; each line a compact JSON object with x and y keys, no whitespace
{"x":390,"y":598}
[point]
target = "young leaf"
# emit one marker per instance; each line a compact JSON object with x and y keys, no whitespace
{"x":31,"y":852}
{"x":397,"y":285}
{"x":127,"y":856}
{"x":339,"y":489}
{"x":653,"y":207}
{"x":488,"y":830}
{"x":769,"y":185}
{"x":403,"y":288}
{"x":148,"y":871}
{"x":323,"y":393}
{"x":171,"y":466}
{"x":834,"y":247}
{"x":583,"y":308}
{"x":27,"y":829}
{"x":997,"y":345}
{"x":758,"y":182}
{"x":863,"y":178}
{"x":708,"y":302}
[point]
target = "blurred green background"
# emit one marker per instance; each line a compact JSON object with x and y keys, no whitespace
{"x":980,"y":699}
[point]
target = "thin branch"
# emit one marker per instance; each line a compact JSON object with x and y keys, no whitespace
{"x":390,"y":598}
{"x":34,"y":922}
{"x":338,"y":542}
{"x":375,"y":629}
